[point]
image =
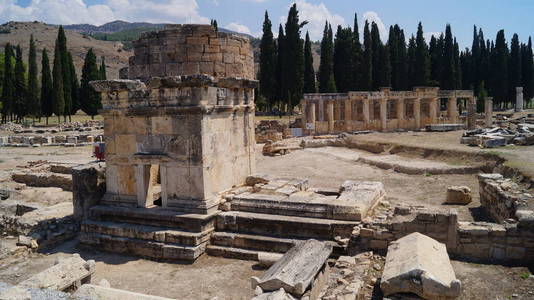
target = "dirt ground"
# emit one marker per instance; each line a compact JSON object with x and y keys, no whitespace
{"x":230,"y":279}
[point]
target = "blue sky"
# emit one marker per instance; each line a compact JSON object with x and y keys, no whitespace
{"x":247,"y":15}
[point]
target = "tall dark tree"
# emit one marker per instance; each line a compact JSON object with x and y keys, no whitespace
{"x":411,"y":58}
{"x":58,"y":93}
{"x":457,"y":66}
{"x":402,"y":64}
{"x":385,"y":67}
{"x":294,"y":57}
{"x":7,"y":84}
{"x":65,"y":71}
{"x":213,"y":23}
{"x":435,"y":50}
{"x":268,"y":84}
{"x":309,"y":72}
{"x":357,"y":57}
{"x":343,"y":55}
{"x":89,"y":98}
{"x":376,"y":46}
{"x":327,"y":82}
{"x":500,"y":69}
{"x":367,"y":63}
{"x":448,"y":76}
{"x":280,"y":67}
{"x":528,"y":70}
{"x":422,"y":59}
{"x":102,"y":70}
{"x":34,"y":107}
{"x":514,"y":68}
{"x":47,"y":94}
{"x":75,"y":85}
{"x":20,"y":91}
{"x":394,"y":56}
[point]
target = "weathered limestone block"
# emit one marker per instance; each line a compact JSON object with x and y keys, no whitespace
{"x":420,"y":265}
{"x":90,"y":291}
{"x":276,"y":295}
{"x":295,"y":271}
{"x":44,"y":180}
{"x":357,"y":198}
{"x":68,"y":273}
{"x":444,"y":127}
{"x":88,"y":187}
{"x":458,"y":195}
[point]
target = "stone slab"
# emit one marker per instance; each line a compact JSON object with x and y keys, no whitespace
{"x":444,"y":127}
{"x":91,"y":291}
{"x":419,"y":264}
{"x":295,"y":271}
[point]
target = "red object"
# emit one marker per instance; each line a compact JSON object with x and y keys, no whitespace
{"x":99,"y":150}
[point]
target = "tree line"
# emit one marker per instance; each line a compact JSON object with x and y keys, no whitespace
{"x":58,"y":92}
{"x":349,"y":64}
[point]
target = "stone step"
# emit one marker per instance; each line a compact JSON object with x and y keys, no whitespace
{"x":142,"y":248}
{"x":143,"y":232}
{"x":260,"y":242}
{"x":230,"y":252}
{"x":154,"y":216}
{"x":283,"y":226}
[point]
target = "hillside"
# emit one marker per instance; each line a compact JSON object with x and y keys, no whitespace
{"x":78,"y":44}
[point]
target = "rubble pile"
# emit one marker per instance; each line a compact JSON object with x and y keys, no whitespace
{"x":271,"y":130}
{"x":69,"y":126}
{"x":9,"y":126}
{"x":520,"y":134}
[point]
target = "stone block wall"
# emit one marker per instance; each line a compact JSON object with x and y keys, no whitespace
{"x":189,"y":50}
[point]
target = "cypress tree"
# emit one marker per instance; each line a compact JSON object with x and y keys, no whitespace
{"x":343,"y":55}
{"x":102,"y":70}
{"x":7,"y":85}
{"x":528,"y":69}
{"x":280,"y":67}
{"x":411,"y":62}
{"x":213,"y":23}
{"x":268,"y":63}
{"x":475,"y":58}
{"x":514,"y":70}
{"x":402,"y":68}
{"x":20,"y":91}
{"x":357,"y":57}
{"x":376,"y":45}
{"x":75,"y":86}
{"x":367,"y":64}
{"x":33,"y":86}
{"x":294,"y":57}
{"x":89,"y":98}
{"x":385,"y":66}
{"x":435,"y":49}
{"x":309,"y":72}
{"x":422,"y":60}
{"x":47,"y":101}
{"x":67,"y":81}
{"x":393,"y":56}
{"x":327,"y":82}
{"x":482,"y":64}
{"x":58,"y":93}
{"x":457,"y":66}
{"x":448,"y":76}
{"x":500,"y":69}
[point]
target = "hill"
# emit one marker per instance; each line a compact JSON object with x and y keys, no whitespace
{"x":78,"y":44}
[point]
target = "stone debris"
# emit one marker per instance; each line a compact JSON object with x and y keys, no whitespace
{"x":521,"y":134}
{"x":69,"y":273}
{"x":278,"y":148}
{"x":280,"y":294}
{"x":347,"y":277}
{"x":90,"y":291}
{"x":419,"y":264}
{"x":444,"y":127}
{"x":272,"y":130}
{"x":295,"y":271}
{"x":459,"y":195}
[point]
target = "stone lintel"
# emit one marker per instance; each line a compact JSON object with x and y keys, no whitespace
{"x":118,"y":85}
{"x":178,"y":110}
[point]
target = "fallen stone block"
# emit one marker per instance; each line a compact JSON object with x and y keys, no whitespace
{"x":419,"y":264}
{"x":470,"y":140}
{"x":44,"y":180}
{"x":276,"y":295}
{"x":458,"y":195}
{"x":491,"y":142}
{"x":444,"y":127}
{"x":267,"y":259}
{"x":295,"y":271}
{"x":254,"y":179}
{"x":69,"y":273}
{"x":89,"y":291}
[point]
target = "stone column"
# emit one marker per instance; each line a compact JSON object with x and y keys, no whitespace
{"x":321,"y":110}
{"x":145,"y":179}
{"x":400,"y":112}
{"x":433,"y":110}
{"x":305,"y":108}
{"x":330,"y":112}
{"x":488,"y":109}
{"x":471,"y":113}
{"x":366,"y":113}
{"x":518,"y":99}
{"x":384,"y":114}
{"x":312,"y":117}
{"x":348,"y":114}
{"x":453,"y":110}
{"x":417,"y":112}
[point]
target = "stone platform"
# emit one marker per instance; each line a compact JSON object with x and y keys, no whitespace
{"x":272,"y":215}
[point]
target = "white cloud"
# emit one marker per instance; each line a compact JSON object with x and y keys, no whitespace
{"x":76,"y":11}
{"x":238,"y":28}
{"x":428,"y":35}
{"x":372,"y":16}
{"x":316,"y":15}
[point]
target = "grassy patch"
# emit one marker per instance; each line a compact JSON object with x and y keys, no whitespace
{"x":525,"y":275}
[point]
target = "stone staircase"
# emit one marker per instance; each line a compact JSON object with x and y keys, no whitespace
{"x":154,"y":232}
{"x":275,"y":216}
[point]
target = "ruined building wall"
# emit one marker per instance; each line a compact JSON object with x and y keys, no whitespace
{"x":190,"y":50}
